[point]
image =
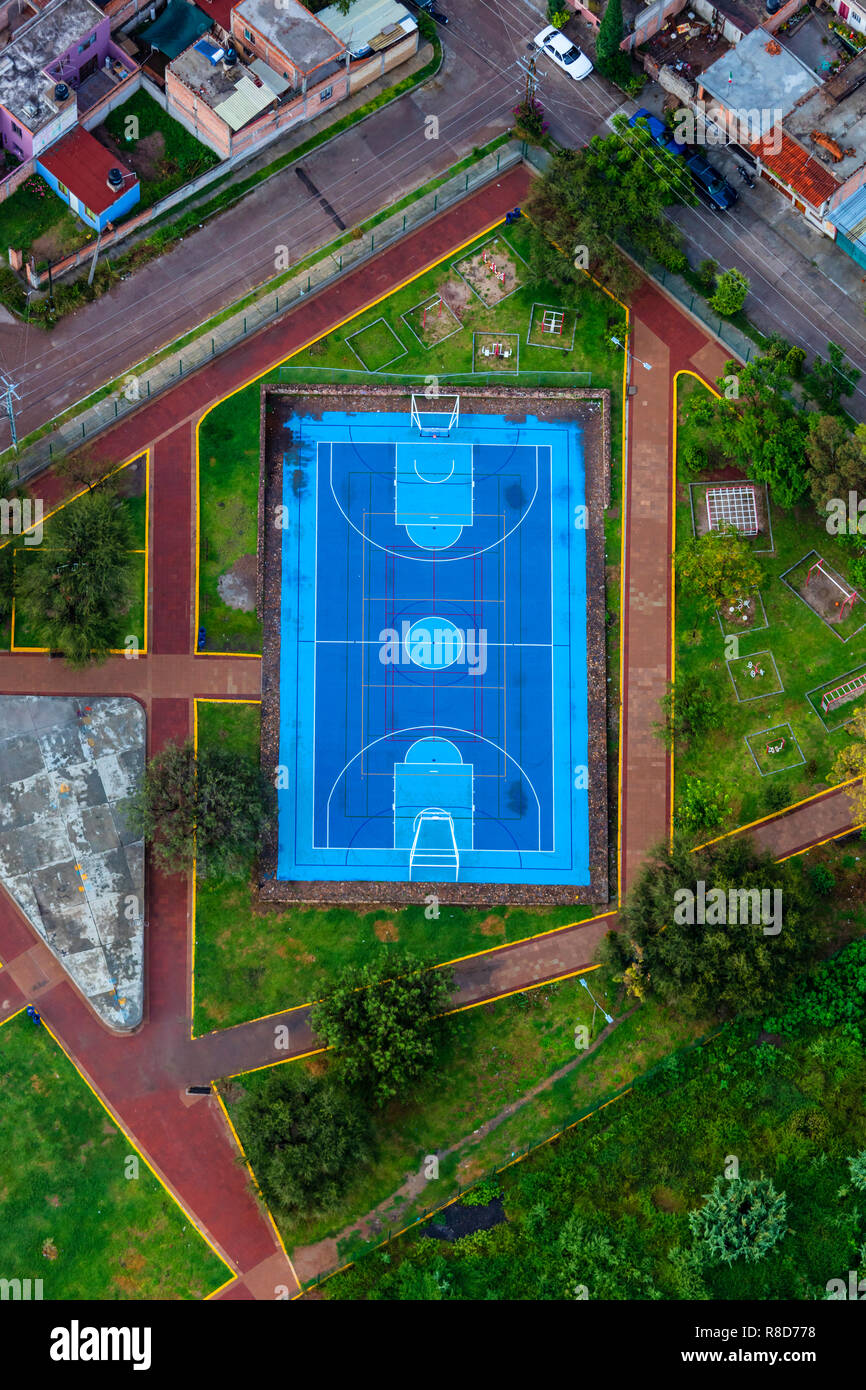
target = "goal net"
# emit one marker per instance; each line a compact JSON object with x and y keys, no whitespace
{"x":435,"y":415}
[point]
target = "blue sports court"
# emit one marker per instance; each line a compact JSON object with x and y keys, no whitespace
{"x":433,"y":699}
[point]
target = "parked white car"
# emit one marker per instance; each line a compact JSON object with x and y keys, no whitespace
{"x":564,"y":53}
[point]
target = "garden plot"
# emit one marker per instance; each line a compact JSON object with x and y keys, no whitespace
{"x":432,"y":321}
{"x":493,"y":271}
{"x":743,"y":505}
{"x":829,"y":595}
{"x":376,"y":346}
{"x":775,"y":749}
{"x":743,"y":613}
{"x":551,"y":326}
{"x":754,"y":677}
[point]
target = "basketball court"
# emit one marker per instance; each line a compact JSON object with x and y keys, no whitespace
{"x":433,"y":688}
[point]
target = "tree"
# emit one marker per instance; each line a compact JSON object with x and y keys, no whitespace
{"x":717,"y":567}
{"x":83,"y":467}
{"x":761,"y":427}
{"x":690,"y":711}
{"x":609,"y":57}
{"x":77,"y":585}
{"x":215,"y":807}
{"x":850,"y":762}
{"x":731,"y":290}
{"x":529,"y":122}
{"x":829,"y":381}
{"x":613,"y":190}
{"x":9,"y":491}
{"x":383,"y":1020}
{"x":304,"y":1137}
{"x":721,"y":965}
{"x":741,"y":1219}
{"x":836,"y":458}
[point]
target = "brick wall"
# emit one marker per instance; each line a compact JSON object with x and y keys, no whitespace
{"x":366,"y":70}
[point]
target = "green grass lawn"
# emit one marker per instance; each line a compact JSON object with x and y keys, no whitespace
{"x":70,"y":1215}
{"x":169,"y":150}
{"x":492,"y":1056}
{"x":805,"y":652}
{"x":229,"y":434}
{"x":252,"y":959}
{"x":788,"y":1109}
{"x":35,"y":214}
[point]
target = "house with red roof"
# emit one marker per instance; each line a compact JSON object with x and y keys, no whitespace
{"x":89,"y":178}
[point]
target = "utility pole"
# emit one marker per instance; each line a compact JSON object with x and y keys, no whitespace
{"x":528,"y":66}
{"x":95,"y":257}
{"x":10,"y":393}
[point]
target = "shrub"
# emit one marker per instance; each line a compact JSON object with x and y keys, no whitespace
{"x":822,"y":879}
{"x":482,"y":1193}
{"x":703,"y":805}
{"x":740,"y":1219}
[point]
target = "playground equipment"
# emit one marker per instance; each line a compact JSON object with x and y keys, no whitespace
{"x":849,"y":596}
{"x":733,"y":506}
{"x":552,"y":321}
{"x":754,"y":669}
{"x":849,"y":690}
{"x":434,"y":304}
{"x":776,"y":747}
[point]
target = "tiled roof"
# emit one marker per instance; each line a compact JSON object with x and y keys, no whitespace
{"x":82,"y":164}
{"x":803,"y":174}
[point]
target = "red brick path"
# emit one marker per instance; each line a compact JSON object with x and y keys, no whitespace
{"x":143,"y":1078}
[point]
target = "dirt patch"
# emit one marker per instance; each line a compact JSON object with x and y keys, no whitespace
{"x":49,"y":1250}
{"x":492,"y":926}
{"x":145,"y":157}
{"x":386,"y":930}
{"x":457,"y":296}
{"x":36,"y":1084}
{"x":58,"y":242}
{"x":666,"y":1200}
{"x":493,"y":272}
{"x":237,"y":587}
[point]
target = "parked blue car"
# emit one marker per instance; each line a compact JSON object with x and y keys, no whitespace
{"x":658,"y":132}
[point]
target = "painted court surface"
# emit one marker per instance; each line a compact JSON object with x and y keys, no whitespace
{"x":433,"y":650}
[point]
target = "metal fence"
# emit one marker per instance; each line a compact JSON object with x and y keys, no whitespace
{"x":347,"y":375}
{"x":331,"y":263}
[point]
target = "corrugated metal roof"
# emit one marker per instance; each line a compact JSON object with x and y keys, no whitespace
{"x":803,"y":174}
{"x":275,"y":80}
{"x":850,"y":217}
{"x":366,"y":21}
{"x":245,"y":103}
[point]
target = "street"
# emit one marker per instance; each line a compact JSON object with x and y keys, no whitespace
{"x":372,"y":166}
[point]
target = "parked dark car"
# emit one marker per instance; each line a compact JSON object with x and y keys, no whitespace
{"x":712,"y":188}
{"x":658,"y":132}
{"x":428,"y":8}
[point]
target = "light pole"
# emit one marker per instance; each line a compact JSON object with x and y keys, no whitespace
{"x":647,"y":365}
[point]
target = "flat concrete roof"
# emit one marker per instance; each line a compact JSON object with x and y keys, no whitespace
{"x":300,"y":35}
{"x":22,"y":79}
{"x":749,"y":78}
{"x":205,"y":78}
{"x":842,"y":120}
{"x":68,"y":856}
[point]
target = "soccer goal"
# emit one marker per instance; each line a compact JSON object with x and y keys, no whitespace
{"x":435,"y":415}
{"x":732,"y":506}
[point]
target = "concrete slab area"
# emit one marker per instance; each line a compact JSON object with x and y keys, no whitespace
{"x":67,"y":855}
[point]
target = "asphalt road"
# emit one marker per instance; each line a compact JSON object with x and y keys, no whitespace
{"x":365,"y":169}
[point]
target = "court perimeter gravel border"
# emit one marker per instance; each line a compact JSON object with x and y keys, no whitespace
{"x":591,"y":407}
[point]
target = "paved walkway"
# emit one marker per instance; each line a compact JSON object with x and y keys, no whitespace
{"x":143,"y":1079}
